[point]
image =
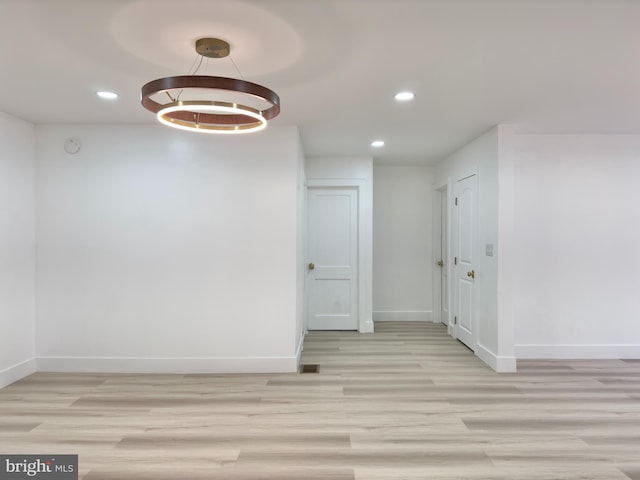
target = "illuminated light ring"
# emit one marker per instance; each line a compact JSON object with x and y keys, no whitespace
{"x":242,"y":120}
{"x":226,"y":109}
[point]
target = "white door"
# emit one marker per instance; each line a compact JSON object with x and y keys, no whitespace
{"x":466,"y":209}
{"x":333,"y":259}
{"x":444,"y":255}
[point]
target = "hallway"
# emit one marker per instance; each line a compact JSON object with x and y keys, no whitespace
{"x":407,"y":402}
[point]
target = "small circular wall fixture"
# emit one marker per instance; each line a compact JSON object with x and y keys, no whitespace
{"x":72,"y":146}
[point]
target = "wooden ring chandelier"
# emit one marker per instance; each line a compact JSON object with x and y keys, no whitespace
{"x":208,"y":115}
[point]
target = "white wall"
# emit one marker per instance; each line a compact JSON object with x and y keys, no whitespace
{"x":482,"y":156}
{"x":577,"y":234}
{"x":17,"y":249}
{"x":356,"y":172}
{"x":402,"y":243}
{"x":161,"y":250}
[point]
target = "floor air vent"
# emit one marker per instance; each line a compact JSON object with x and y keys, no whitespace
{"x":310,"y":368}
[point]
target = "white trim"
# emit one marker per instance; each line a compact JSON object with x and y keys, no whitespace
{"x":454,"y":293}
{"x":560,"y":351}
{"x":335,"y":183}
{"x":506,"y":247}
{"x":300,"y":349}
{"x":17,"y":372}
{"x":403,"y":316}
{"x":499,"y":364}
{"x":168,"y":365}
{"x":451,"y":328}
{"x":436,"y":238}
{"x":365,"y":242}
{"x":368,"y":327}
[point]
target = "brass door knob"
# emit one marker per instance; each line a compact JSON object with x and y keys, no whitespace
{"x":311,"y":266}
{"x":471,"y":274}
{"x":441,"y":263}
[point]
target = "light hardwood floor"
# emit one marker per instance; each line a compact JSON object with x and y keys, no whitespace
{"x":407,"y":402}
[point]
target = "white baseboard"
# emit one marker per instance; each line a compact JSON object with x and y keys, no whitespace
{"x":499,"y":364}
{"x":168,"y":365}
{"x":368,"y":327}
{"x":403,"y":316}
{"x":17,"y":372}
{"x":299,"y":349}
{"x":560,"y":351}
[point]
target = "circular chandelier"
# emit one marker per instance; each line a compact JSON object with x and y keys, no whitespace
{"x":211,"y":115}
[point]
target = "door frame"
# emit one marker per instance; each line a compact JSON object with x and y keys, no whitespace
{"x":438,"y":194}
{"x":453,"y":294}
{"x":365,"y":246}
{"x":437,"y":225}
{"x":333,"y":322}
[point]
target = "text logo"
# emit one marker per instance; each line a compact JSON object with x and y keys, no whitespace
{"x":50,"y":467}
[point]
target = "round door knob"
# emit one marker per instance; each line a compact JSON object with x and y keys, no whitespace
{"x":441,"y":263}
{"x":471,"y":274}
{"x":311,"y":266}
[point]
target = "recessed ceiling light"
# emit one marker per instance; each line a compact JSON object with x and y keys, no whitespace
{"x":377,"y":143}
{"x":404,"y":96}
{"x":107,"y":95}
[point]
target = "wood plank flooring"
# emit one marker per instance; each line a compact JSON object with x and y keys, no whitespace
{"x":407,"y":402}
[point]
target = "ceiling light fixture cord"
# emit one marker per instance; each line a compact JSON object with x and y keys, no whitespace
{"x":237,"y":69}
{"x":198,"y":67}
{"x":194,"y":72}
{"x":195,"y":60}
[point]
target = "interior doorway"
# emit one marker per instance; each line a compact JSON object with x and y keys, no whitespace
{"x":332,"y":267}
{"x":465,"y":232}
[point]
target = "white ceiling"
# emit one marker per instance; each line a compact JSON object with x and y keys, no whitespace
{"x":552,"y":66}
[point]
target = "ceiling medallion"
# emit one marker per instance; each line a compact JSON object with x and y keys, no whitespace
{"x":211,"y":115}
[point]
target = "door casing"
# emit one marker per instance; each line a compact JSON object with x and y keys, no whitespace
{"x":465,"y":289}
{"x":332,"y":270}
{"x":441,"y":252}
{"x":365,"y":244}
